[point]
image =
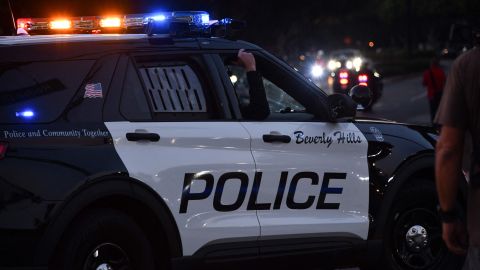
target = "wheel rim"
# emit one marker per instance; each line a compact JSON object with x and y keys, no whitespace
{"x":107,"y":256}
{"x":417,"y":239}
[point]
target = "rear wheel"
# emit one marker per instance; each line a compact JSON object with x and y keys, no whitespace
{"x":413,"y":238}
{"x":105,"y":239}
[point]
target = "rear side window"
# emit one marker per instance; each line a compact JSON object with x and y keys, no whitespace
{"x":173,"y":87}
{"x":39,"y":92}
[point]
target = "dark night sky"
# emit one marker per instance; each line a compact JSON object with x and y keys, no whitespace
{"x":89,"y":7}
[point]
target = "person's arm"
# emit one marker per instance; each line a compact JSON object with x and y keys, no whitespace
{"x":258,"y":106}
{"x":448,"y":165}
{"x":452,"y":115}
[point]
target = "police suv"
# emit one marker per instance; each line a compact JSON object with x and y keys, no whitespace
{"x":129,"y":151}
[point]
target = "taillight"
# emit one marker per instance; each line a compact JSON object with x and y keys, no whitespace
{"x":343,"y":77}
{"x":363,"y":79}
{"x":3,"y":149}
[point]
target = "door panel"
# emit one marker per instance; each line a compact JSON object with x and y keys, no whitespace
{"x":316,"y":183}
{"x":185,"y":167}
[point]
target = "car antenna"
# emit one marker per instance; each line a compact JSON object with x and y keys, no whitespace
{"x":13,"y":18}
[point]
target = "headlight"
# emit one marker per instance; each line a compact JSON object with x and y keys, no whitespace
{"x":349,"y":64}
{"x":332,"y":65}
{"x":317,"y":71}
{"x":357,"y":63}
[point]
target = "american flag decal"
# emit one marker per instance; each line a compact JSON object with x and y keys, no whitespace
{"x":93,"y":90}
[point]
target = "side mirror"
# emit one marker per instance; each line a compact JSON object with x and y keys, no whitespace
{"x":341,"y":106}
{"x":361,"y":95}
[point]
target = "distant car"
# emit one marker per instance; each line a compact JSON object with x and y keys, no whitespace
{"x":345,"y":58}
{"x":349,"y":68}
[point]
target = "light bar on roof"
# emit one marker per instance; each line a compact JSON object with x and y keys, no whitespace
{"x":34,"y":24}
{"x":176,"y":23}
{"x":61,"y":24}
{"x":134,"y":21}
{"x":197,"y":18}
{"x":83,"y":24}
{"x":111,"y":22}
{"x":24,"y":23}
{"x":158,"y":16}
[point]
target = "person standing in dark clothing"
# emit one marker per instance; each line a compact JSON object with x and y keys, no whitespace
{"x":459,"y":113}
{"x":257,"y":108}
{"x":434,"y":81}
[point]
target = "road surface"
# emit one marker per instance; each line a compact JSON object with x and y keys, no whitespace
{"x":404,"y":100}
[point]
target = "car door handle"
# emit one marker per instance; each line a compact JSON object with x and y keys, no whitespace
{"x":135,"y":136}
{"x":270,"y":138}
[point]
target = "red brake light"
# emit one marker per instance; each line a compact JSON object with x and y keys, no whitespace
{"x":363,"y":79}
{"x":3,"y":149}
{"x":343,"y":75}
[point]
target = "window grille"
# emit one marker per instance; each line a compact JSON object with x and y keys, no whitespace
{"x":174,"y":89}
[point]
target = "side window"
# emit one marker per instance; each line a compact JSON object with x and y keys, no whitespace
{"x":133,"y":104}
{"x":174,"y":88}
{"x":167,"y":89}
{"x":282,"y":105}
{"x":278,"y":100}
{"x":39,"y":92}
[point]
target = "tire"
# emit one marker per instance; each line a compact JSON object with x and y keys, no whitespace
{"x":104,"y":239}
{"x":415,"y":212}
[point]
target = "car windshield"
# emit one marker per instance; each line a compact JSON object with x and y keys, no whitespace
{"x":297,"y":71}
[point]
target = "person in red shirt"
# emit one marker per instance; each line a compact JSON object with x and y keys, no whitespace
{"x":434,"y":80}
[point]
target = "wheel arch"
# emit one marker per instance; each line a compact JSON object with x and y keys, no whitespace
{"x":419,"y":166}
{"x":120,"y":192}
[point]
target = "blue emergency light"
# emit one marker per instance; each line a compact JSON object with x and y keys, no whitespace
{"x":26,"y":114}
{"x":160,"y":17}
{"x":178,"y":23}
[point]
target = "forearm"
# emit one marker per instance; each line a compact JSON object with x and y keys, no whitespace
{"x":258,"y":107}
{"x":448,"y":164}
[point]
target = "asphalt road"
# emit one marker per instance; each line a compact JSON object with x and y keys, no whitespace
{"x":404,"y":99}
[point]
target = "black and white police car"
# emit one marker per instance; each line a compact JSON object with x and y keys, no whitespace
{"x":129,"y":151}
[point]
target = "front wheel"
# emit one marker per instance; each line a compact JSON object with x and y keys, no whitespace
{"x":413,"y":238}
{"x":105,"y":239}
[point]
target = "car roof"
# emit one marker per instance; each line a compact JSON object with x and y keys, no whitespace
{"x":205,"y":42}
{"x":38,"y":39}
